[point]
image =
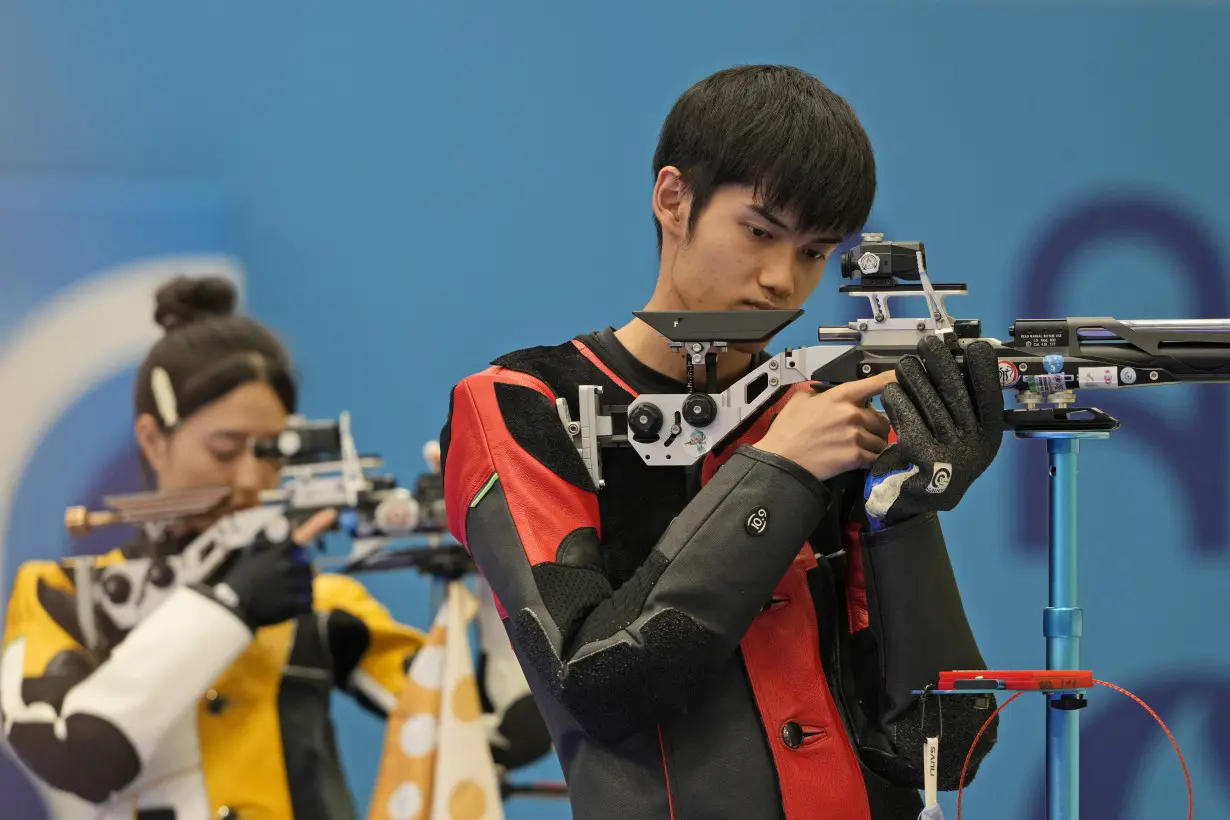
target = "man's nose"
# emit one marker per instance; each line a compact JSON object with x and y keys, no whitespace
{"x":777,"y":274}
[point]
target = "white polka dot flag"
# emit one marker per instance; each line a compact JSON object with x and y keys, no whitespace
{"x":437,"y":762}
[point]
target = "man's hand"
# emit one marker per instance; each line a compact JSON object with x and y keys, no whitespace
{"x":949,"y":429}
{"x":833,"y":432}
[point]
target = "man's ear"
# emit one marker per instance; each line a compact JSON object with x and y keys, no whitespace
{"x":672,"y":203}
{"x":152,"y":441}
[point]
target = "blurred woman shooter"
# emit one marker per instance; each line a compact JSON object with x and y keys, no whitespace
{"x":172,"y":701}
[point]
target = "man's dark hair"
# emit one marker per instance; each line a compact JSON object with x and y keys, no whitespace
{"x":779,"y":130}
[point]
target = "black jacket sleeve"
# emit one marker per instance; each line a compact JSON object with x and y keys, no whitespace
{"x":615,"y":660}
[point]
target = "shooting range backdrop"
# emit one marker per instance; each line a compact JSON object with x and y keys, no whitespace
{"x":408,"y":190}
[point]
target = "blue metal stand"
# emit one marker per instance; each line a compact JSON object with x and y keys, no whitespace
{"x":1062,"y":624}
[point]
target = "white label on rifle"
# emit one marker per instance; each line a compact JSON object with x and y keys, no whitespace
{"x":1097,"y":377}
{"x":931,"y":765}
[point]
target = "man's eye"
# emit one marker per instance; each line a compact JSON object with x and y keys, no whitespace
{"x":758,"y":232}
{"x":818,"y":256}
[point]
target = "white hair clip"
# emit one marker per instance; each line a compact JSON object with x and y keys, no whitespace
{"x":164,"y":397}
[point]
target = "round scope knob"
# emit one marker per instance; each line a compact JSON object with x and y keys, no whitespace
{"x":866,"y":264}
{"x":397,"y":512}
{"x":699,"y":409}
{"x":645,"y":421}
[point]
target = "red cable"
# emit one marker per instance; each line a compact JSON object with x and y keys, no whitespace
{"x":1186,"y":775}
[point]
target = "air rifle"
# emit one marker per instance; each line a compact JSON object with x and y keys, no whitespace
{"x":1044,"y":362}
{"x":321,"y":470}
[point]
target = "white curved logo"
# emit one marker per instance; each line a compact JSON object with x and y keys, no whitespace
{"x":77,"y":339}
{"x":757,"y":520}
{"x":941,"y":476}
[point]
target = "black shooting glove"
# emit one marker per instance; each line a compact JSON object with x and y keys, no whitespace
{"x":268,"y":583}
{"x":949,"y":428}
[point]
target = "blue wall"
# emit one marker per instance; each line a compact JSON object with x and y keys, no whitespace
{"x":415,"y":188}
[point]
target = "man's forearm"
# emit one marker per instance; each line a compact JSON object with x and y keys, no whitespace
{"x":616,"y":659}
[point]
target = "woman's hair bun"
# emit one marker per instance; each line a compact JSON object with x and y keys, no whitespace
{"x":183,"y":301}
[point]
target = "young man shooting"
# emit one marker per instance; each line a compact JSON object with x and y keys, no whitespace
{"x":692,"y":665}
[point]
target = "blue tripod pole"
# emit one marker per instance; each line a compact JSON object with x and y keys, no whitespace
{"x":1062,"y":623}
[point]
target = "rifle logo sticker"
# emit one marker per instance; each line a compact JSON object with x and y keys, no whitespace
{"x":1008,"y":374}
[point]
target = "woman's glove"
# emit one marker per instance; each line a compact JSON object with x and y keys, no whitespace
{"x":268,"y":583}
